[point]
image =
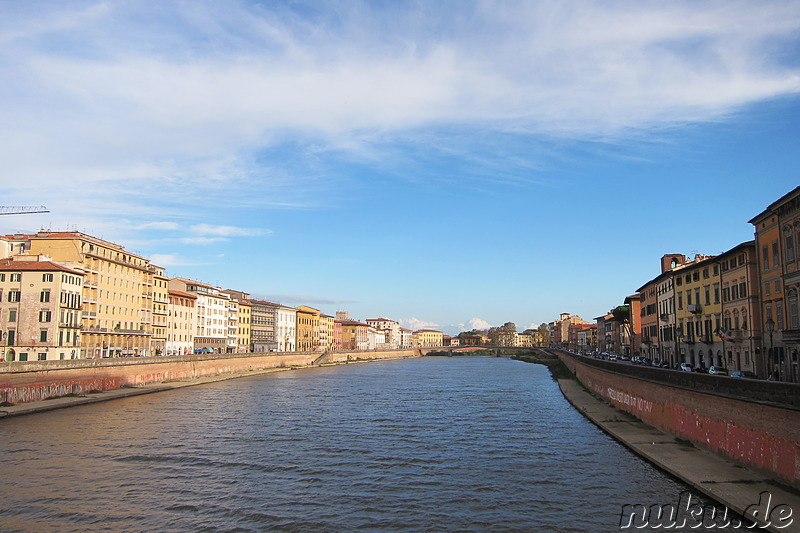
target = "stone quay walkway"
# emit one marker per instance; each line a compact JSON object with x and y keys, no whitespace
{"x":722,"y":480}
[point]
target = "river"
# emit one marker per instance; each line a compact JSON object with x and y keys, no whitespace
{"x":432,"y":444}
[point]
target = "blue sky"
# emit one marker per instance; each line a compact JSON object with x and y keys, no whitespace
{"x":444,"y":164}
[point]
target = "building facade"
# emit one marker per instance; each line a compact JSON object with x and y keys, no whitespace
{"x":211,"y":309}
{"x":117,"y":312}
{"x":181,"y":323}
{"x":40,"y":310}
{"x":741,"y":314}
{"x":777,"y":242}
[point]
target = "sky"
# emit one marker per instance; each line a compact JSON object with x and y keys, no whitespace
{"x":446,"y":164}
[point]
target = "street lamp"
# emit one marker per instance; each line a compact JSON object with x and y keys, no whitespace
{"x":771,"y":329}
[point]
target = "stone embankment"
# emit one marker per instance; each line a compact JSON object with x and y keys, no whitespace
{"x":734,"y":440}
{"x":93,"y":379}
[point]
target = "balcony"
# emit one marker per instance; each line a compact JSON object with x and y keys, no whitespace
{"x":791,"y":335}
{"x":694,"y":308}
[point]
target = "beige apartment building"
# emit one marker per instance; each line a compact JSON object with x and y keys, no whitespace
{"x":118,"y":287}
{"x":181,"y":323}
{"x":326,"y":329}
{"x":40,"y":317}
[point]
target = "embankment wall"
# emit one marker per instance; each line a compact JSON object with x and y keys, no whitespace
{"x":22,"y":382}
{"x":760,"y":434}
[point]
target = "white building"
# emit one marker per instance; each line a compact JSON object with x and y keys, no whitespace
{"x":286,"y":328}
{"x":392,"y":329}
{"x":211,"y":333}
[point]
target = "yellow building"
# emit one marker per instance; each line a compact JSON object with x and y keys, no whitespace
{"x":428,"y":338}
{"x":327,"y":331}
{"x":244,"y":317}
{"x":117,"y":289}
{"x":40,"y":304}
{"x":308,"y":329}
{"x":160,"y":296}
{"x":524,"y":340}
{"x":698,"y":311}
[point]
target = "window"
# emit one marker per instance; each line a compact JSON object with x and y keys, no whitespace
{"x":12,"y":315}
{"x":775,"y":253}
{"x":743,"y":290}
{"x":794,"y":320}
{"x":42,"y":357}
{"x":767,"y":289}
{"x":16,"y":277}
{"x":44,"y":297}
{"x":12,"y":336}
{"x":13,"y":296}
{"x":779,"y":316}
{"x":43,"y":335}
{"x":47,"y":277}
{"x":716,"y":293}
{"x":695,"y":276}
{"x":2,"y":277}
{"x":765,"y":257}
{"x":708,"y":295}
{"x":45,"y":316}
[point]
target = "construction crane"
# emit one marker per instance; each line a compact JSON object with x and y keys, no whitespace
{"x":22,"y":210}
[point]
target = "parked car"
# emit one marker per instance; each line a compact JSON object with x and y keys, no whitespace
{"x":624,"y":358}
{"x":718,"y":371}
{"x":686,"y":367}
{"x":612,"y":357}
{"x":743,"y":374}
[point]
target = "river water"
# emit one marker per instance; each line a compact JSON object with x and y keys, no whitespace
{"x":433,"y":444}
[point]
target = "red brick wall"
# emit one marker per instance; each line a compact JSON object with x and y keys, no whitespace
{"x":38,"y":380}
{"x":754,"y":434}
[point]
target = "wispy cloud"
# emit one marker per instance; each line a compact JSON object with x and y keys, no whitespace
{"x":158,"y":226}
{"x":170,"y":260}
{"x":299,"y":299}
{"x":202,"y":240}
{"x":226,"y":231}
{"x":248,"y":102}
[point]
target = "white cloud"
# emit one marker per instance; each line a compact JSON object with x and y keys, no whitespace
{"x":226,"y":231}
{"x":416,"y":323}
{"x":159,"y":226}
{"x":202,"y":240}
{"x":478,"y":323}
{"x":169,"y":260}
